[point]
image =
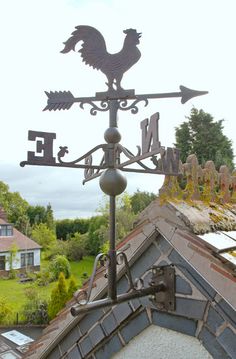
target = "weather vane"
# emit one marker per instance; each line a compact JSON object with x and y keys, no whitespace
{"x":115,"y":159}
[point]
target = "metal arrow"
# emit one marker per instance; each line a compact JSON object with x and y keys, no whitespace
{"x":63,"y":100}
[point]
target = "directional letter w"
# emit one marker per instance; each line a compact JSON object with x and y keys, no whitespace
{"x":150,"y":135}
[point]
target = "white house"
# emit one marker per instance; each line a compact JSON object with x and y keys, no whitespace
{"x":28,"y":252}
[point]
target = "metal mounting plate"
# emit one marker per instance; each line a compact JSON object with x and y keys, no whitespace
{"x":165,"y":275}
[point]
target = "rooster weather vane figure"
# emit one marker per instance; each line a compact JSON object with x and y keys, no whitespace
{"x":115,"y":159}
{"x":94,"y":53}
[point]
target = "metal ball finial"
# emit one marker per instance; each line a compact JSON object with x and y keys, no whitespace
{"x":112,"y":135}
{"x":112,"y":182}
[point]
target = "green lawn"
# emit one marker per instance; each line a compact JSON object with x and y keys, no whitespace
{"x":13,"y":291}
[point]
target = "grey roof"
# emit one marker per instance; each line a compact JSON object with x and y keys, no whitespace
{"x":205,"y":293}
{"x":21,"y":241}
{"x":169,"y":231}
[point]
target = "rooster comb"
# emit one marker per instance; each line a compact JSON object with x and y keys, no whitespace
{"x":129,"y":30}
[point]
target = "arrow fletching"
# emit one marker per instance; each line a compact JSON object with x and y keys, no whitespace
{"x":59,"y":100}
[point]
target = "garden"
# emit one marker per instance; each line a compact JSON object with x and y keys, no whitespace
{"x":29,"y":302}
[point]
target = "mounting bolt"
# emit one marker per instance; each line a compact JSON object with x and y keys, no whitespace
{"x":160,"y":306}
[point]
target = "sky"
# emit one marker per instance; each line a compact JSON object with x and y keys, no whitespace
{"x":184,"y":42}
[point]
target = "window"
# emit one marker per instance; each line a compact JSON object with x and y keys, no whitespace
{"x":2,"y":262}
{"x":27,"y":259}
{"x":6,"y":230}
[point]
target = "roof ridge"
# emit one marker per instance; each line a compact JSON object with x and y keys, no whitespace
{"x":197,"y":183}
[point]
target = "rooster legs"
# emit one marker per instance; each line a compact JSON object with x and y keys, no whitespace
{"x":110,"y":85}
{"x":114,"y":84}
{"x":111,"y":82}
{"x":117,"y":82}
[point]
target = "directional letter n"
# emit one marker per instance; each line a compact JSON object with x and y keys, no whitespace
{"x":150,"y":135}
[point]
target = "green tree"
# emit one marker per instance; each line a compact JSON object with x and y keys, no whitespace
{"x":97,"y":233}
{"x":140,"y":200}
{"x":124,"y":218}
{"x":67,"y":227}
{"x":58,"y":298}
{"x":23,"y":225}
{"x":58,"y":247}
{"x":5,"y":311}
{"x":72,"y":287}
{"x":49,"y":220}
{"x":13,"y":204}
{"x":36,"y":214}
{"x":202,"y":136}
{"x":76,"y":246}
{"x":39,"y":214}
{"x":60,"y":264}
{"x":43,"y":235}
{"x":12,"y":259}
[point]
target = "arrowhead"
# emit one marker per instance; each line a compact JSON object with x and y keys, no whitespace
{"x":187,"y":93}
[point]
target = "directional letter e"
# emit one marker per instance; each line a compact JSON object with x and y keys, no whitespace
{"x":150,"y":135}
{"x":45,"y":147}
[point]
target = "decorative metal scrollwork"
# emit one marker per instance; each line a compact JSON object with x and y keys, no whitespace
{"x":124,"y":106}
{"x":83,"y":296}
{"x":104,"y":106}
{"x":102,"y":259}
{"x":64,"y":150}
{"x":138,"y":158}
{"x":90,"y":173}
{"x":121,"y":258}
{"x":127,"y":152}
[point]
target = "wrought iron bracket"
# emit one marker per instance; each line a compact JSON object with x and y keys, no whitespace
{"x":161,"y":291}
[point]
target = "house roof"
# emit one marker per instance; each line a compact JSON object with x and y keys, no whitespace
{"x":173,"y":229}
{"x":21,"y":241}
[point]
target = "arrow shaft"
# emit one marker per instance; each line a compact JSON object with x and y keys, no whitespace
{"x":63,"y":100}
{"x":134,"y":97}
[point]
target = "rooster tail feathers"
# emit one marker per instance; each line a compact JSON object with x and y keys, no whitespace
{"x":69,"y":45}
{"x":91,"y":37}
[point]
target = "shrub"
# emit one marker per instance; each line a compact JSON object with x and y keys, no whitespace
{"x":84,"y":275}
{"x":35,"y":310}
{"x":57,"y":247}
{"x":60,"y":264}
{"x":76,"y":247}
{"x":43,"y":235}
{"x":12,"y":273}
{"x":105,"y":247}
{"x":58,"y":298}
{"x":5,"y":311}
{"x":44,"y":277}
{"x":72,"y":288}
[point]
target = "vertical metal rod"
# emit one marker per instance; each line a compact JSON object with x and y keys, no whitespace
{"x":112,"y":293}
{"x":113,"y":113}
